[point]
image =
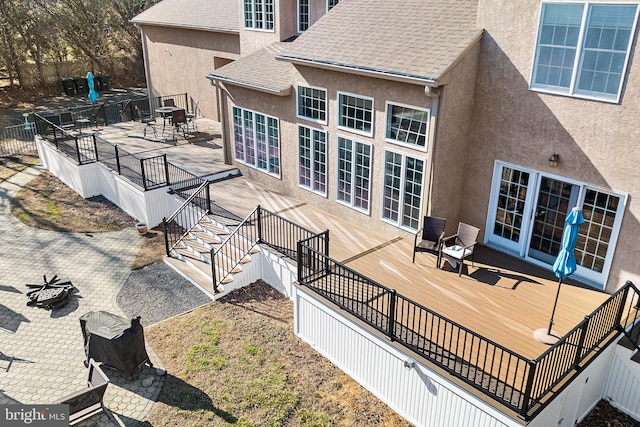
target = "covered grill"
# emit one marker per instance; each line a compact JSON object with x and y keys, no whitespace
{"x":114,"y":341}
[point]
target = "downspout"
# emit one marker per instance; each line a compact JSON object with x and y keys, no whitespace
{"x":222,"y":118}
{"x":433,"y":93}
{"x":145,"y":55}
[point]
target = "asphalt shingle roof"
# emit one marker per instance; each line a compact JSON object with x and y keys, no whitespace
{"x":259,"y":70}
{"x":416,"y":38}
{"x":209,"y":15}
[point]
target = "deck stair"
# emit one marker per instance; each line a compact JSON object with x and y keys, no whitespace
{"x":194,"y":254}
{"x":631,"y":341}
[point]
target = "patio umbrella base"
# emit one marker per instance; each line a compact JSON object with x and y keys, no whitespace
{"x":543,"y":336}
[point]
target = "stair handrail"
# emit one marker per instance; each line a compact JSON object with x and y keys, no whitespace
{"x":191,"y":220}
{"x":249,"y":244}
{"x":631,"y":320}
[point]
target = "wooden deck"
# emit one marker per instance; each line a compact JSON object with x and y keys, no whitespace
{"x":501,"y":297}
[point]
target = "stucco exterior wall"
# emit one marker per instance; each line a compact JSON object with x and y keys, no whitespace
{"x":284,"y":108}
{"x":285,"y":26}
{"x":451,"y":149}
{"x":597,"y":141}
{"x":178,"y":61}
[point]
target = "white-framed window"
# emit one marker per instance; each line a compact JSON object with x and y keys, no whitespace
{"x":312,"y":155}
{"x":257,"y":140}
{"x":402,"y":189}
{"x":407,"y":125}
{"x":582,"y":49}
{"x":355,"y":113}
{"x":303,"y":15}
{"x":312,"y":104}
{"x":331,"y":4}
{"x":259,"y":14}
{"x":354,"y":173}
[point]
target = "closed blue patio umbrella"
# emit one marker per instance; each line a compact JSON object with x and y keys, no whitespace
{"x":93,"y":95}
{"x":565,"y":263}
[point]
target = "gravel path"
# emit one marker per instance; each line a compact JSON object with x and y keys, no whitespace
{"x":156,"y":293}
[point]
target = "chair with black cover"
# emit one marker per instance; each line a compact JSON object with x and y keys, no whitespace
{"x":66,"y":121}
{"x":457,"y":247}
{"x":429,"y":237}
{"x":149,"y":121}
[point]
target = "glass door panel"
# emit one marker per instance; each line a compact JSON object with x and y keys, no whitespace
{"x":508,"y":217}
{"x":599,"y":211}
{"x":554,"y":202}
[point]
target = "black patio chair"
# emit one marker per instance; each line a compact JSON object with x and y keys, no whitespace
{"x":431,"y":235}
{"x":179,"y":121}
{"x":149,"y":121}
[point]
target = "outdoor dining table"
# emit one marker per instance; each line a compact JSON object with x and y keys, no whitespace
{"x":165,"y":112}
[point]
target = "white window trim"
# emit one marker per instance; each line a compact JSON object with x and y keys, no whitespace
{"x":326,"y":141}
{"x":326,"y":105}
{"x":255,"y":143}
{"x":615,"y":232}
{"x":339,"y":113}
{"x":403,"y":144}
{"x":371,"y":160}
{"x":328,"y":6}
{"x":404,"y":155}
{"x":570,"y":92}
{"x":298,"y":29}
{"x":260,"y":30}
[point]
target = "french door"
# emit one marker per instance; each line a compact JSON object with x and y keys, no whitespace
{"x":526,"y":217}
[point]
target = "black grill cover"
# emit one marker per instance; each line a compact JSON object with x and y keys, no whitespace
{"x":114,"y":341}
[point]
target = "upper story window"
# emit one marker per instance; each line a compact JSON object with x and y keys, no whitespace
{"x":583,"y":48}
{"x":312,"y":104}
{"x":331,"y":4}
{"x":303,"y":15}
{"x":355,"y":113}
{"x":407,"y":125}
{"x":258,"y":14}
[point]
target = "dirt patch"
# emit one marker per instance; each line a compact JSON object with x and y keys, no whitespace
{"x":605,"y":415}
{"x":11,"y":165}
{"x":152,"y":250}
{"x":45,"y":202}
{"x":237,"y":361}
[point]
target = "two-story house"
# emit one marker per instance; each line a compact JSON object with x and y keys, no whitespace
{"x":504,"y":115}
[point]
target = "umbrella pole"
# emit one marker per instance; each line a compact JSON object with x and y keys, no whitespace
{"x":553,"y":312}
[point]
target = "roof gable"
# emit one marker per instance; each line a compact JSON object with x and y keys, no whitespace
{"x":208,"y":15}
{"x":418,"y":39}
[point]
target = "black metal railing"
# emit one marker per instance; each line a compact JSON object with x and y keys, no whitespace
{"x":186,"y":217}
{"x":18,"y":140}
{"x":260,"y":226}
{"x":182,"y":182}
{"x":631,"y":314}
{"x":522,"y":385}
{"x":146,"y":172}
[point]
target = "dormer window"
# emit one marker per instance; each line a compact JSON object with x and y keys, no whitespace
{"x":583,"y":49}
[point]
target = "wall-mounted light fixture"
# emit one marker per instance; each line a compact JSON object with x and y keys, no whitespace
{"x":554,"y":160}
